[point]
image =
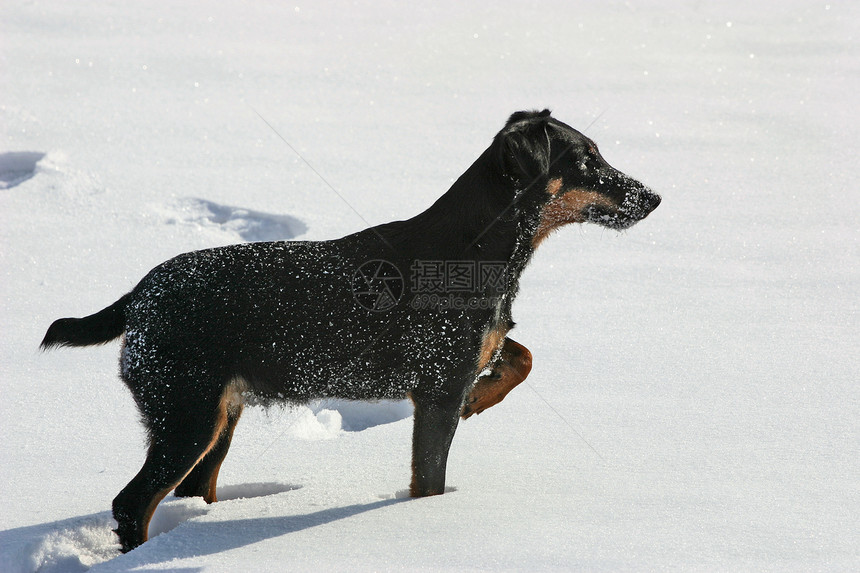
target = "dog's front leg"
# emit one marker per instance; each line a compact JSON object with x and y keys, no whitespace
{"x":436,"y":420}
{"x":512,"y":367}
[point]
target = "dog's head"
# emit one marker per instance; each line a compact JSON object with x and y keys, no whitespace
{"x":562,"y":172}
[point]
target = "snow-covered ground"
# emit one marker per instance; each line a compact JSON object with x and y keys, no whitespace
{"x":694,"y":402}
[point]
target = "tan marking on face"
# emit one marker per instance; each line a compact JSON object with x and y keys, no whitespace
{"x":568,"y":208}
{"x":554,"y":186}
{"x":493,"y":340}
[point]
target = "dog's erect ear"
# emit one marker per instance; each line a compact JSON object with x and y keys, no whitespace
{"x":519,"y":116}
{"x":524,"y":145}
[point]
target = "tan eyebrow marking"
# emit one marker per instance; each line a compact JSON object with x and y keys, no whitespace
{"x":554,"y":186}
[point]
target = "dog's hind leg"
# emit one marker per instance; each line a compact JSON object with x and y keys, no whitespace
{"x":434,"y":426}
{"x":180,"y":436}
{"x":201,"y":481}
{"x":512,"y":367}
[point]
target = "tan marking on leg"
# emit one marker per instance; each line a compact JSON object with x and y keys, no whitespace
{"x":231,"y":393}
{"x":150,"y":509}
{"x":512,"y":367}
{"x":211,"y":496}
{"x":232,"y":402}
{"x":568,"y":208}
{"x":493,"y":340}
{"x":233,"y":398}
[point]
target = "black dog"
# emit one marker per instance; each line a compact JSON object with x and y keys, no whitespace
{"x":295,"y":321}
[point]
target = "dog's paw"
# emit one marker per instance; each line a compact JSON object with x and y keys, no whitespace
{"x":479,"y":399}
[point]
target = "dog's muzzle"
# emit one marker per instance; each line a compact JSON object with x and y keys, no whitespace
{"x":638,"y":202}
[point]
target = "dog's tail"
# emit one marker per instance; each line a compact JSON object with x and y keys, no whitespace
{"x":97,"y":328}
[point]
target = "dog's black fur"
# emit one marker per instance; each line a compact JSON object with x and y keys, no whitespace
{"x":280,"y":321}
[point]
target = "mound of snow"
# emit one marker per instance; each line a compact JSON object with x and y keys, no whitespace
{"x":245,"y":224}
{"x":18,"y":166}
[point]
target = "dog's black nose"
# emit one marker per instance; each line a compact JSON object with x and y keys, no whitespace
{"x":653,"y":201}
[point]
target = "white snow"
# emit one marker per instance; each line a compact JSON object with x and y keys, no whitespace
{"x":694,"y":401}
